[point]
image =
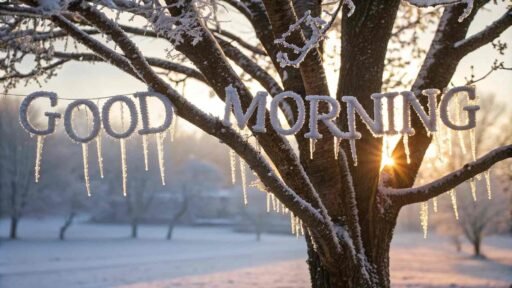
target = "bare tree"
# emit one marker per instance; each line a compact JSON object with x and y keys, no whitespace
{"x":193,"y":178}
{"x":16,"y":164}
{"x":349,"y":219}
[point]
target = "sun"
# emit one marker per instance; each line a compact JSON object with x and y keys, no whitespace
{"x":386,"y":161}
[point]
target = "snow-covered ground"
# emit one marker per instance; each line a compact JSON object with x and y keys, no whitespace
{"x":103,"y":256}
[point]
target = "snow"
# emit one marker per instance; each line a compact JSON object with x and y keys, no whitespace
{"x":430,"y":3}
{"x":199,"y":257}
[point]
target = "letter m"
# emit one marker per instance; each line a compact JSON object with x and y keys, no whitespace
{"x":233,"y":104}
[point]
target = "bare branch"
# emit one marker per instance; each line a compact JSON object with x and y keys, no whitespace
{"x":35,"y":72}
{"x":240,"y":41}
{"x":423,"y":193}
{"x":485,"y":36}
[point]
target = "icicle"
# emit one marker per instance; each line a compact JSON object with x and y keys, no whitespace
{"x":459,"y":132}
{"x":122,"y":143}
{"x":487,"y":175}
{"x":172,"y":129}
{"x":268,"y":202}
{"x":312,"y":143}
{"x":99,"y":154}
{"x":145,"y":151}
{"x":244,"y":179}
{"x":283,"y":209}
{"x":278,"y":205}
{"x":472,"y":183}
{"x":353,"y":151}
{"x":292,"y":223}
{"x":273,"y":198}
{"x":405,"y":139}
{"x":301,"y":227}
{"x":297,"y":225}
{"x":85,"y":156}
{"x":232,"y":161}
{"x":39,"y":155}
{"x":473,"y":143}
{"x":436,"y":139}
{"x":453,"y":196}
{"x":124,"y":170}
{"x":434,"y":201}
{"x":161,"y":159}
{"x":424,"y":218}
{"x":336,"y":144}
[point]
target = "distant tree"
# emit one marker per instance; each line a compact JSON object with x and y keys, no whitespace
{"x":193,"y":178}
{"x":17,"y":157}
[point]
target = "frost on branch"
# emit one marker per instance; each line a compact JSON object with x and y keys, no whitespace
{"x":317,"y":27}
{"x":432,"y":3}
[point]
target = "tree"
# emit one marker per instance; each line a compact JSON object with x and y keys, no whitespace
{"x":188,"y":187}
{"x":16,"y":165}
{"x":348,"y":217}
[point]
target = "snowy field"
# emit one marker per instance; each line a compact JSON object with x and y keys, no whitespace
{"x":103,"y":256}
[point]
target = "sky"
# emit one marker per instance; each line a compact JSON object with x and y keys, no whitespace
{"x":84,"y":80}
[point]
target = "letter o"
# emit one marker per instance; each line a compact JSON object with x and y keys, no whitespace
{"x":274,"y":105}
{"x":105,"y":115}
{"x":68,"y":124}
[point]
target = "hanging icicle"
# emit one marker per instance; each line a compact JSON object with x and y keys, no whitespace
{"x":353,"y":150}
{"x":292,"y":223}
{"x":460,"y":132}
{"x":278,"y":205}
{"x":99,"y":154}
{"x":232,"y":161}
{"x":450,"y":144}
{"x":336,"y":144}
{"x":273,"y":198}
{"x":160,"y":152}
{"x":312,"y":143}
{"x":39,"y":155}
{"x":434,"y":202}
{"x":405,"y":139}
{"x":244,"y":179}
{"x":145,"y":151}
{"x":85,"y":156}
{"x":472,"y":183}
{"x":487,"y":175}
{"x":453,"y":197}
{"x":472,"y":140}
{"x":283,"y":209}
{"x":172,"y":128}
{"x":122,"y":143}
{"x":124,"y":170}
{"x":268,"y":202}
{"x":424,"y":218}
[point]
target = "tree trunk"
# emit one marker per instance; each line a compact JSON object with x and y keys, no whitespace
{"x":346,"y":274}
{"x":476,"y":247}
{"x":67,"y":224}
{"x":135,"y":226}
{"x":170,"y":229}
{"x":13,"y":232}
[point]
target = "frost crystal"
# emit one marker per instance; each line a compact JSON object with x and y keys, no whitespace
{"x":39,"y":155}
{"x":85,"y":156}
{"x":487,"y":175}
{"x":424,"y":218}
